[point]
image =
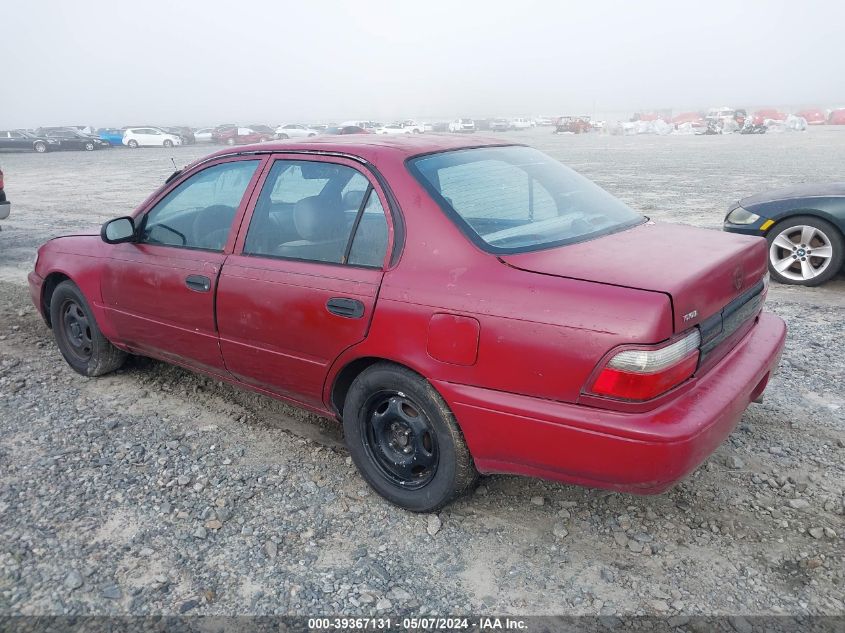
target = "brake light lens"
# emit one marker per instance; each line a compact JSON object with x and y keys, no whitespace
{"x":642,"y":374}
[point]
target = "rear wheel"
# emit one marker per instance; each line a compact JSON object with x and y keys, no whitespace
{"x":40,"y":147}
{"x":805,"y":251}
{"x":404,"y":439}
{"x":133,"y":144}
{"x":283,"y":137}
{"x":79,"y":338}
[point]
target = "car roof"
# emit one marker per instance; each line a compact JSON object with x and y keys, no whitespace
{"x":368,"y":146}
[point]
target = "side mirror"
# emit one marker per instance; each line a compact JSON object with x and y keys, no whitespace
{"x":118,"y":230}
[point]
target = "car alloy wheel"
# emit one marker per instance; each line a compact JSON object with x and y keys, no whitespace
{"x":40,"y":147}
{"x":133,"y":144}
{"x":168,"y":143}
{"x":89,"y":147}
{"x":801,"y":253}
{"x":230,"y":141}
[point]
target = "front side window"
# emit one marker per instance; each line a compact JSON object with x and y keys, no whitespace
{"x":308,"y":210}
{"x":198,"y":213}
{"x":513,"y":199}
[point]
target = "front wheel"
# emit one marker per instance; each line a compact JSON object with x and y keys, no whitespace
{"x":805,"y":251}
{"x":89,"y":147}
{"x":79,"y":338}
{"x":168,"y":143}
{"x":40,"y":147}
{"x":404,"y":439}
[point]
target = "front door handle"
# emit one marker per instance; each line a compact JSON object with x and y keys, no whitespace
{"x":198,"y":283}
{"x":342,"y":306}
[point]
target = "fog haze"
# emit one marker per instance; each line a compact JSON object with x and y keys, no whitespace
{"x":108,"y":63}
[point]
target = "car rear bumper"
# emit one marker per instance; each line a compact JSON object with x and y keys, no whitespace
{"x":643,"y":453}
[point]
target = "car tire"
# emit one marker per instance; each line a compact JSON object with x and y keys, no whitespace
{"x":133,"y":144}
{"x":80,"y":340}
{"x":404,"y":439}
{"x":168,"y":143}
{"x":89,"y":147}
{"x":40,"y":147}
{"x":230,"y":141}
{"x":785,"y":244}
{"x":283,"y":137}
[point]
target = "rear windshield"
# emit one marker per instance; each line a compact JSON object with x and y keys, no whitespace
{"x":515,"y":199}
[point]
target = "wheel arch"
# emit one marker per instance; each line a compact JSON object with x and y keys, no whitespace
{"x":813,"y":212}
{"x":809,"y":212}
{"x":344,"y":378}
{"x":49,"y":286}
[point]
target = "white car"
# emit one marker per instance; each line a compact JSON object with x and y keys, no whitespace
{"x":393,"y":128}
{"x":149,"y":137}
{"x":203,"y":135}
{"x":295,"y":130}
{"x":462,"y":125}
{"x":413,"y":126}
{"x":520,"y":124}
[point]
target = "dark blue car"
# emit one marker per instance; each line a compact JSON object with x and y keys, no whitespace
{"x":804,"y":226}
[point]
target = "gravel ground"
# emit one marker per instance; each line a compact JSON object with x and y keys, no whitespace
{"x":158,"y":491}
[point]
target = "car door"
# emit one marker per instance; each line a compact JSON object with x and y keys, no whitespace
{"x":302,"y":283}
{"x":149,"y":137}
{"x":159,"y":291}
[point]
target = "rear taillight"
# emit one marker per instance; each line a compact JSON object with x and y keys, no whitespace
{"x":642,"y":374}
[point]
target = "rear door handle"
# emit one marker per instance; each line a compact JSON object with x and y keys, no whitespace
{"x":342,"y":306}
{"x":198,"y":283}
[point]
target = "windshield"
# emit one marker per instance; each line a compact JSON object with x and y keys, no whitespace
{"x":514,"y":199}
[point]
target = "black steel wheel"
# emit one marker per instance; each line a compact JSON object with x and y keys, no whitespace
{"x":405,"y":440}
{"x":79,"y":338}
{"x":400,"y":440}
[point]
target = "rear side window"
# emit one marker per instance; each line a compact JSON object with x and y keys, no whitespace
{"x":318,"y":211}
{"x":370,"y":243}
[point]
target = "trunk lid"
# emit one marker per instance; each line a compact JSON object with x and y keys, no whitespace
{"x":700,"y":269}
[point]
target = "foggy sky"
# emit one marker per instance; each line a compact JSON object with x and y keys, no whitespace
{"x":109,"y":63}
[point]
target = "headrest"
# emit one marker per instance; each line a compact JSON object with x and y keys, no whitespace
{"x":353,"y":199}
{"x":317,"y":219}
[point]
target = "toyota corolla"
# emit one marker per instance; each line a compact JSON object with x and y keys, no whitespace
{"x":461,"y":306}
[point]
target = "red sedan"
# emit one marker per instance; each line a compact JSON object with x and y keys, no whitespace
{"x":239,"y":136}
{"x":462,"y":306}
